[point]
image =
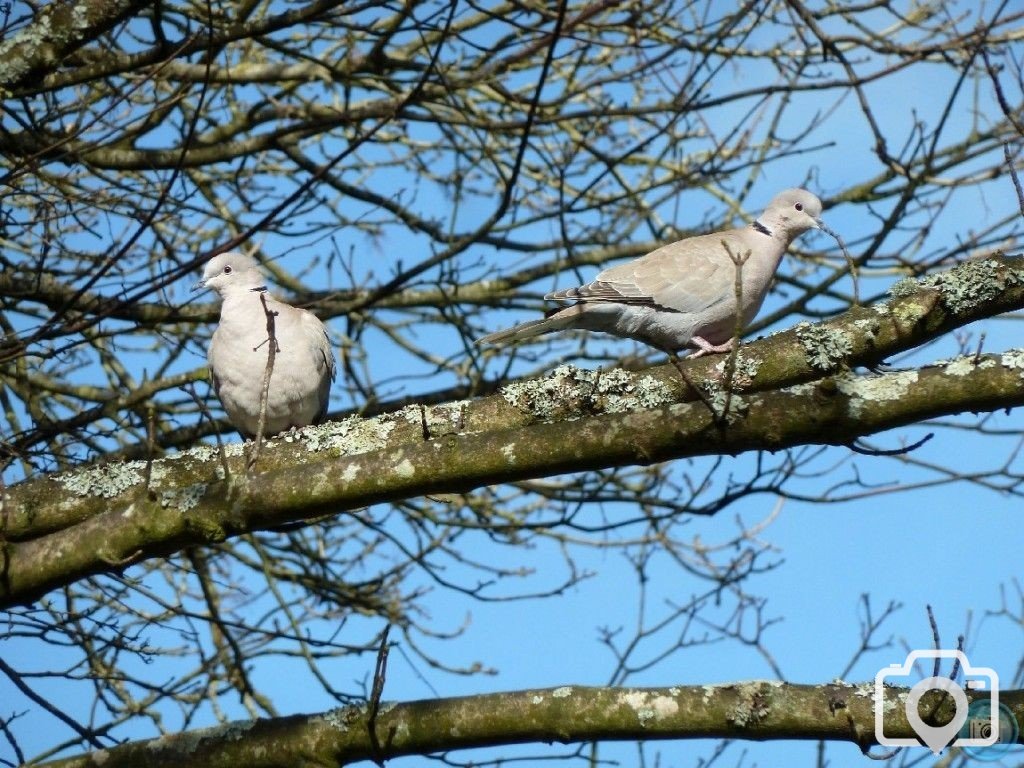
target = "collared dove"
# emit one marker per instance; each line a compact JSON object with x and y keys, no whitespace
{"x":684,"y":294}
{"x":303,"y":370}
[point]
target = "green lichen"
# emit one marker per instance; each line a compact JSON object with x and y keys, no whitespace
{"x":186,"y":742}
{"x":544,"y":398}
{"x":621,"y":391}
{"x":719,"y":399}
{"x":826,"y":348}
{"x":972,"y":283}
{"x":908,"y":286}
{"x":569,"y":389}
{"x":744,"y":371}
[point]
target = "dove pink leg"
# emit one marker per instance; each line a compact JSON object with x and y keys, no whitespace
{"x":706,"y":347}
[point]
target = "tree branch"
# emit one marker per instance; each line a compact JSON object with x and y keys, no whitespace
{"x":63,"y":527}
{"x":755,"y":710}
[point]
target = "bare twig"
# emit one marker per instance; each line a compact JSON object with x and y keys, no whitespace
{"x":854,"y":275}
{"x":379,"y":675}
{"x":891,"y":451}
{"x":272,"y":350}
{"x":738,"y":260}
{"x":1014,"y":177}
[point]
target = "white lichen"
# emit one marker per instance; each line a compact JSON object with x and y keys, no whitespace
{"x":864,"y":390}
{"x":183,"y":499}
{"x":509,"y":452}
{"x":961,"y":366}
{"x":106,"y":480}
{"x":648,"y":706}
{"x":744,"y":371}
{"x":405,"y":469}
{"x":752,"y":704}
{"x":561,"y":693}
{"x":568,"y":388}
{"x":1013,"y":359}
{"x":440,"y":420}
{"x":543,"y":398}
{"x":349,"y":436}
{"x":336,"y":718}
{"x":620,"y":391}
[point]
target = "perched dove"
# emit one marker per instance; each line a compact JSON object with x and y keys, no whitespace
{"x":684,"y":294}
{"x":303,"y":363}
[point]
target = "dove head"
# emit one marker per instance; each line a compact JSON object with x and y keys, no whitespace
{"x":230,"y":272}
{"x":791,"y":213}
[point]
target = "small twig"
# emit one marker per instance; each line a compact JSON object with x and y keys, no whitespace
{"x":936,"y":642}
{"x":120,"y":562}
{"x":379,"y":674}
{"x":204,"y":412}
{"x":88,"y":735}
{"x":854,"y":276}
{"x":1014,"y":177}
{"x":150,"y":447}
{"x":738,"y":261}
{"x":4,"y":722}
{"x":423,"y":423}
{"x":891,"y":451}
{"x":977,"y":352}
{"x":5,"y":554}
{"x":265,"y":390}
{"x":1004,"y":105}
{"x":700,"y":393}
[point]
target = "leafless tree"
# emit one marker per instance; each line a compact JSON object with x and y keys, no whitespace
{"x":418,"y":174}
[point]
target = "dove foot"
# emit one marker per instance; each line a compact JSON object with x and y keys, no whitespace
{"x":706,"y":347}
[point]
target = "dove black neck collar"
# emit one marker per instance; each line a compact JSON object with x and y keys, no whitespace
{"x":759,"y":227}
{"x":259,"y":289}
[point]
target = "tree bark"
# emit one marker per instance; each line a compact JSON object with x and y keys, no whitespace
{"x":792,"y":389}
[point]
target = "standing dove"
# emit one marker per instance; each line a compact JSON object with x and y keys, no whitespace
{"x":303,"y":362}
{"x":684,"y":294}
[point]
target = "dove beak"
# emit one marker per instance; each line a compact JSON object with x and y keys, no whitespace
{"x":199,"y":286}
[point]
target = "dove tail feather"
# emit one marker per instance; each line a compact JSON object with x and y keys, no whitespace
{"x":527,"y":330}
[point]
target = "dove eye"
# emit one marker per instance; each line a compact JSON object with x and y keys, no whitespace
{"x":227,"y":270}
{"x":798,"y":206}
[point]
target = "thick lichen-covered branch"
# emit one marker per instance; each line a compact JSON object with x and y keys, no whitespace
{"x":793,"y":389}
{"x":757,"y":710}
{"x":57,"y":30}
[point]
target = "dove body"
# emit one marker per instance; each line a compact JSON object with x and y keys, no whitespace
{"x":684,"y":294}
{"x":303,"y":369}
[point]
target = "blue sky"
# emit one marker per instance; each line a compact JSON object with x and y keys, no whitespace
{"x":953,"y":547}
